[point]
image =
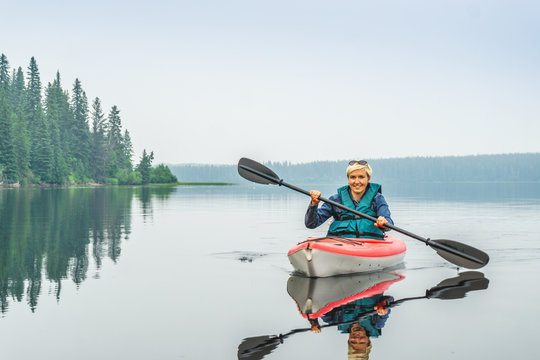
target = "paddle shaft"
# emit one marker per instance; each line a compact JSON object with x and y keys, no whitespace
{"x":436,"y":245}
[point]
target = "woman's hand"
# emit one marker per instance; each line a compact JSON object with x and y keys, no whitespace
{"x":315,"y":194}
{"x":380,"y":307}
{"x":381,"y":221}
{"x":315,"y":327}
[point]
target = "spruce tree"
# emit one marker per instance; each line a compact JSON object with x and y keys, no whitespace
{"x":55,"y":106}
{"x":21,"y":140}
{"x":7,"y":152}
{"x":98,"y":155}
{"x":127,"y":152}
{"x":145,"y":166}
{"x":114,"y":141}
{"x":41,"y":150}
{"x":8,"y":158}
{"x":4,"y":73}
{"x":80,"y":142}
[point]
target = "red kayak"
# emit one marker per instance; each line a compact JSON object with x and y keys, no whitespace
{"x":317,"y":297}
{"x":329,"y":256}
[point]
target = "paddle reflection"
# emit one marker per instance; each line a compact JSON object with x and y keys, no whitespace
{"x":61,"y":233}
{"x":355,"y":305}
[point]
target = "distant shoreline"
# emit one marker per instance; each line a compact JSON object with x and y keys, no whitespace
{"x":511,"y":168}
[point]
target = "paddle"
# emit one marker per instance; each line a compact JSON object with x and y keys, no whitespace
{"x":257,"y":347}
{"x":455,"y":252}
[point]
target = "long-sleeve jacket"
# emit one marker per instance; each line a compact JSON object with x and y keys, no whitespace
{"x":317,"y":215}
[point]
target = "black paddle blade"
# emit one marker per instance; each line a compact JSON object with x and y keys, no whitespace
{"x":256,"y":348}
{"x":457,"y":287}
{"x":460,"y":254}
{"x":256,"y":172}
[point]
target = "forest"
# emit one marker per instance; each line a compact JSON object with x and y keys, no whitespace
{"x":54,"y":136}
{"x":473,"y":168}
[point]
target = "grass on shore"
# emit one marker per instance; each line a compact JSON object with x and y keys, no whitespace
{"x":205,"y":183}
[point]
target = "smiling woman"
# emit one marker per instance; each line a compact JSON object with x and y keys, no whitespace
{"x":360,"y":195}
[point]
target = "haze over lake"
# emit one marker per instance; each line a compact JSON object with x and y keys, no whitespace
{"x":163,"y":272}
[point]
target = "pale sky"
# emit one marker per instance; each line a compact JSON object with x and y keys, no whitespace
{"x":211,"y":81}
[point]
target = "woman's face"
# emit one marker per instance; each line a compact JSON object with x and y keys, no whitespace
{"x":358,"y":181}
{"x":358,"y":338}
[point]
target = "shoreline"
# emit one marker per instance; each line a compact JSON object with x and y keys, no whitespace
{"x":92,"y":184}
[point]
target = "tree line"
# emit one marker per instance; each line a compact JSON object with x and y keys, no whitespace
{"x":474,"y":168}
{"x":57,"y":137}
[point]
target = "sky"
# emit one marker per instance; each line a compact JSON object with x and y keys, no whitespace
{"x":298,"y":81}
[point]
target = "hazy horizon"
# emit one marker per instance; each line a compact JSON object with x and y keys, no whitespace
{"x":372,"y":158}
{"x":300,"y":81}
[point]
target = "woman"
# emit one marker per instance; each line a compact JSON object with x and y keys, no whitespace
{"x":360,"y":195}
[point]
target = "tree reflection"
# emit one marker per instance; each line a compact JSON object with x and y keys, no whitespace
{"x":55,"y":233}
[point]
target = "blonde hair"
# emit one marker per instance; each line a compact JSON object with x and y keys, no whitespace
{"x":352,"y":354}
{"x":358,"y":166}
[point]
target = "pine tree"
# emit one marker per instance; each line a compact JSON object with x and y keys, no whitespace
{"x":127,"y":152}
{"x":4,"y":73}
{"x":21,"y":140}
{"x":41,"y":150}
{"x":98,"y":155}
{"x":81,"y":135}
{"x":56,"y":105}
{"x":114,"y":141}
{"x":8,"y":158}
{"x":145,"y":166}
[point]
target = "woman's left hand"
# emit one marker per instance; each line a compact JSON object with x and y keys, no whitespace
{"x":381,"y":221}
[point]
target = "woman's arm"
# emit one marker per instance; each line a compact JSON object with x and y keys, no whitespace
{"x":316,"y":216}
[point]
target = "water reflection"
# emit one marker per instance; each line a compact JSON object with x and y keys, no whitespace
{"x":56,"y":233}
{"x":355,"y":305}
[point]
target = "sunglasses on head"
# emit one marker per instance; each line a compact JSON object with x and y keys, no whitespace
{"x":359,"y":162}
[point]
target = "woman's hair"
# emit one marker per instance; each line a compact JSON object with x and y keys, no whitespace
{"x":352,"y":354}
{"x":358,"y":164}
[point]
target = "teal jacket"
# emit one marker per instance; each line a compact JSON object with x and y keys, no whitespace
{"x":347,"y":224}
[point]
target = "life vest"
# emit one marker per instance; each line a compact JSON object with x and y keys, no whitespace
{"x":349,"y":225}
{"x":349,"y":313}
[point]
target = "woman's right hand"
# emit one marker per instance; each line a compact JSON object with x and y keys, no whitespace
{"x":315,"y":194}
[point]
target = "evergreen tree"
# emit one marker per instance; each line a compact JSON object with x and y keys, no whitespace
{"x":114,"y":141}
{"x":8,"y":158}
{"x":98,"y":154}
{"x":127,"y":151}
{"x":4,"y":73}
{"x":21,"y":140}
{"x":56,"y":105}
{"x":145,"y":166}
{"x":7,"y":151}
{"x":33,"y":94}
{"x":80,"y":141}
{"x":41,"y":150}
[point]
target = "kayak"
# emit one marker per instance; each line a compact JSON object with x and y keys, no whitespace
{"x":317,"y":296}
{"x":329,"y":256}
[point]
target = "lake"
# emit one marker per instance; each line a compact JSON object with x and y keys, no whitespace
{"x":201,"y":272}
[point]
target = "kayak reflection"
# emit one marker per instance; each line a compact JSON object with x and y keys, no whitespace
{"x":356,"y":305}
{"x":342,"y":301}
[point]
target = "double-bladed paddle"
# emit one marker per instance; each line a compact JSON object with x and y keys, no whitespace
{"x":453,"y":251}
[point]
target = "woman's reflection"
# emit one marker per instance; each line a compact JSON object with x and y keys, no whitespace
{"x":360,"y":331}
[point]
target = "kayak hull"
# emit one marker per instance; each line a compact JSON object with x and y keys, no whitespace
{"x":330,"y":256}
{"x":315,"y":297}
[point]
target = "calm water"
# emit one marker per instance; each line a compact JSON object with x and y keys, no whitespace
{"x":197,"y":272}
